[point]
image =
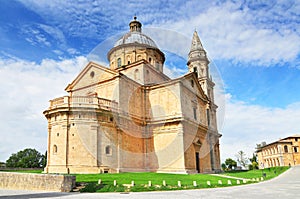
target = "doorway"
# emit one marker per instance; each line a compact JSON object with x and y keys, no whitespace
{"x":197,"y":162}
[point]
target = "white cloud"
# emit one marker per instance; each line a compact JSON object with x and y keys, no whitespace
{"x":248,"y":125}
{"x":55,"y":33}
{"x":34,"y":36}
{"x":88,"y":18}
{"x":229,"y":32}
{"x":72,"y":51}
{"x":26,"y":87}
{"x":246,"y":31}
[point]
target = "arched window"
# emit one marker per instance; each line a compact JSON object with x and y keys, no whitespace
{"x":285,"y":149}
{"x":119,"y":62}
{"x":108,"y":150}
{"x":54,"y":148}
{"x":139,"y":57}
{"x":128,"y":59}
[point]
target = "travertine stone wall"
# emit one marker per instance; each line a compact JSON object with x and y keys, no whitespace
{"x":47,"y":182}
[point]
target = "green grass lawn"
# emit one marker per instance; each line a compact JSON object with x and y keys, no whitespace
{"x":141,"y":180}
{"x":270,"y":173}
{"x":23,"y":171}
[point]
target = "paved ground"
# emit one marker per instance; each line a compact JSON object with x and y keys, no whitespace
{"x":285,"y":186}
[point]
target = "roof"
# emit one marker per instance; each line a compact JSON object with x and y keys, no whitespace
{"x":280,"y":141}
{"x":135,"y":38}
{"x":292,"y":136}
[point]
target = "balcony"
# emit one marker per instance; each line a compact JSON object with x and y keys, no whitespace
{"x":83,"y":102}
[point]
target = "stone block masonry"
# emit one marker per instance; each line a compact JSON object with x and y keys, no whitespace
{"x":28,"y":181}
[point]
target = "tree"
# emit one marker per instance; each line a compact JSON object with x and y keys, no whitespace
{"x":28,"y":158}
{"x":254,"y":163}
{"x":254,"y":158}
{"x":44,"y":160}
{"x":241,"y":158}
{"x":224,"y":167}
{"x":230,"y":163}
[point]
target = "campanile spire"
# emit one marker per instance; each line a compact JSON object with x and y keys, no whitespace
{"x":196,"y":43}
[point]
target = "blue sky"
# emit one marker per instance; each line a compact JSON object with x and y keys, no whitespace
{"x":253,"y":44}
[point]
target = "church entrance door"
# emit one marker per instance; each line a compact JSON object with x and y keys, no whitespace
{"x":197,"y":162}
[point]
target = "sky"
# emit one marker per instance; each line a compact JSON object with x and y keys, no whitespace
{"x":254,"y":48}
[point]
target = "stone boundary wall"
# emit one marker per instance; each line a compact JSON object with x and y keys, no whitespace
{"x":28,"y":181}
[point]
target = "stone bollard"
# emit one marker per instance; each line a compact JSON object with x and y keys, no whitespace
{"x":261,"y":178}
{"x":253,"y":179}
{"x":179,"y":184}
{"x":115,"y":183}
{"x":132,"y":183}
{"x":208,"y":183}
{"x":164,"y":183}
{"x":194,"y":183}
{"x":244,"y":181}
{"x":219,"y":181}
{"x":229,"y":182}
{"x":257,"y":179}
{"x":149,"y":184}
{"x":99,"y":181}
{"x":238,"y":182}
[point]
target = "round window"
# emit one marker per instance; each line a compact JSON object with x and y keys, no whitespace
{"x":92,"y":74}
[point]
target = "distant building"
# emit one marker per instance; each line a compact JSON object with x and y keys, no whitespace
{"x":131,"y":117}
{"x":2,"y":164}
{"x":284,"y":152}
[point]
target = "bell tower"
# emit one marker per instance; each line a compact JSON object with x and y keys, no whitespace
{"x":199,"y":64}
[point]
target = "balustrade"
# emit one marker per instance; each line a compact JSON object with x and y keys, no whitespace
{"x":83,"y":101}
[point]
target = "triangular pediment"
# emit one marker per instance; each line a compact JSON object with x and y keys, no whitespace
{"x":92,"y":74}
{"x":190,"y":80}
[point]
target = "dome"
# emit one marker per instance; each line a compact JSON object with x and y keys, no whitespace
{"x":135,"y":38}
{"x":134,"y":46}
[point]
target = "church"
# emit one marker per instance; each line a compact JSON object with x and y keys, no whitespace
{"x":131,"y":117}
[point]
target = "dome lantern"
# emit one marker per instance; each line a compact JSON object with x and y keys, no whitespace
{"x":135,"y":26}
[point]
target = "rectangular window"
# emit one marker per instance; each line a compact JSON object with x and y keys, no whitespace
{"x":195,"y":113}
{"x":296,"y":149}
{"x":208,"y":117}
{"x":196,"y":71}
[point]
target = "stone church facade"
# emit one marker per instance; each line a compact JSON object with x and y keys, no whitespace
{"x":131,"y":117}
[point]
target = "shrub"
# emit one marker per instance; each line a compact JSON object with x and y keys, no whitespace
{"x":90,"y":187}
